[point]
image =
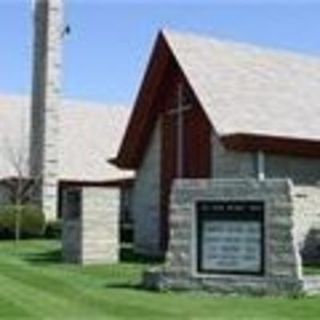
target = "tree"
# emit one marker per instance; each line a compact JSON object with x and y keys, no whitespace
{"x":19,"y":185}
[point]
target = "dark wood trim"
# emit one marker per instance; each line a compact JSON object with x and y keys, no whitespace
{"x":146,"y":109}
{"x":275,"y":145}
{"x":143,"y":116}
{"x":103,"y":184}
{"x":79,"y":183}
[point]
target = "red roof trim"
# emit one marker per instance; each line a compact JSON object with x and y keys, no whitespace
{"x":144,"y":113}
{"x":129,"y":153}
{"x":103,"y":184}
{"x":80,"y":183}
{"x":277,"y":145}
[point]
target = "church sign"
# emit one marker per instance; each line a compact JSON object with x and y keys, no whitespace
{"x":230,"y":237}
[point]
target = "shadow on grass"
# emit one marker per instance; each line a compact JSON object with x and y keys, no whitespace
{"x":55,"y":257}
{"x":127,"y":255}
{"x":125,"y":286}
{"x":45,"y":258}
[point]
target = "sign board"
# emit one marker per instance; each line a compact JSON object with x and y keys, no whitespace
{"x":230,"y":237}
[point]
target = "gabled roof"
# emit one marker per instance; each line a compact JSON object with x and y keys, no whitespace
{"x":245,"y":91}
{"x":90,"y":133}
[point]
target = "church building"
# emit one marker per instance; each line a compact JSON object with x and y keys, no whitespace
{"x":215,"y":109}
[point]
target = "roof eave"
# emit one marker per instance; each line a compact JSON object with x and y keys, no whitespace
{"x":245,"y":142}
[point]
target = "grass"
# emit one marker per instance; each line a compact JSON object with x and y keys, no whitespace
{"x":34,"y":284}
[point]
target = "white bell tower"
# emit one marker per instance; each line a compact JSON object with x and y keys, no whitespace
{"x":46,"y":90}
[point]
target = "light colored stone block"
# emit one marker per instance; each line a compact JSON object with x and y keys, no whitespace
{"x":281,"y":268}
{"x":146,"y":200}
{"x":93,"y":237}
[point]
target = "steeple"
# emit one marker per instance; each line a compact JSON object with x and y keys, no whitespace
{"x":46,"y":90}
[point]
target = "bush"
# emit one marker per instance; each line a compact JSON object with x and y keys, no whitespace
{"x":53,"y":230}
{"x":32,"y":221}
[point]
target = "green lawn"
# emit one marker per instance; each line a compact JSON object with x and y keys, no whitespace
{"x":311,"y":270}
{"x":34,"y":284}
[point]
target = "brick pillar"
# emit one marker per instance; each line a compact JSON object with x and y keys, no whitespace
{"x":47,"y":60}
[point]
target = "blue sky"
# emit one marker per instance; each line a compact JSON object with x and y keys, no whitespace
{"x":106,"y":54}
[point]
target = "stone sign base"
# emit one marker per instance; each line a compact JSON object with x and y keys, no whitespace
{"x":160,"y":279}
{"x":259,"y":257}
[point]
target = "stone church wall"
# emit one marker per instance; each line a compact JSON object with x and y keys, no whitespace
{"x":71,"y":240}
{"x":303,"y":172}
{"x":307,"y":221}
{"x":231,"y":164}
{"x":146,"y":200}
